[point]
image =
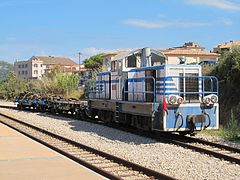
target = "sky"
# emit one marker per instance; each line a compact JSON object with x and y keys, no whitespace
{"x":66,"y":27}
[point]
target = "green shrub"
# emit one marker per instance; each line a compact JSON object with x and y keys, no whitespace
{"x":232,"y":130}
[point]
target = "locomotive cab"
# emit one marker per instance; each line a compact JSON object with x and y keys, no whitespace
{"x":127,"y":61}
{"x":143,"y":91}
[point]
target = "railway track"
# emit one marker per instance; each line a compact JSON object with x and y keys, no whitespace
{"x":105,"y":164}
{"x":212,"y":149}
{"x":216,"y":150}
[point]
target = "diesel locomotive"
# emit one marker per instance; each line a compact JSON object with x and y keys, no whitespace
{"x":142,"y":90}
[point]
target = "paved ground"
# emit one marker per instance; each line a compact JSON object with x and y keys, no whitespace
{"x":22,"y":158}
{"x":7,"y":103}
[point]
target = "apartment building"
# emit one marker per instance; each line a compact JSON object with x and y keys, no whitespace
{"x":192,"y":52}
{"x":227,"y":46}
{"x":37,"y":66}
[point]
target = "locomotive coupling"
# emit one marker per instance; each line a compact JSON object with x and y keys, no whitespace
{"x":193,"y":119}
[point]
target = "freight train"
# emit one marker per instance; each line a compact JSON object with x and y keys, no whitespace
{"x":142,"y":90}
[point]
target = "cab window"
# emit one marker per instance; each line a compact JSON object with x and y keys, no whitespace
{"x":131,"y":61}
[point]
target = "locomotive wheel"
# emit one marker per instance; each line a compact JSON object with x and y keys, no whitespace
{"x":19,"y":106}
{"x":78,"y":114}
{"x":108,"y":116}
{"x":53,"y":111}
{"x":83,"y":114}
{"x":101,"y":116}
{"x":93,"y":113}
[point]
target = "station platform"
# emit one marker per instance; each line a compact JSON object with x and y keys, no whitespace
{"x":23,"y":158}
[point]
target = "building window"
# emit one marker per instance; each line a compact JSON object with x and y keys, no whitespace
{"x":19,"y":72}
{"x":22,"y":65}
{"x":41,"y":65}
{"x":26,"y":72}
{"x":19,"y":66}
{"x":22,"y":72}
{"x":35,"y":72}
{"x":26,"y":65}
{"x":35,"y":65}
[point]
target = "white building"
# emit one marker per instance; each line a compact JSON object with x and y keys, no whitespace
{"x":36,"y":66}
{"x":191,"y":51}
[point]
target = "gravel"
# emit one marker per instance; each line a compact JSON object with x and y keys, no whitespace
{"x":166,"y":158}
{"x":218,"y":140}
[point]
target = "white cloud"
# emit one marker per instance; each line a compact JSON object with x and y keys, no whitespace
{"x":221,"y":4}
{"x":172,"y":24}
{"x":93,"y":51}
{"x":145,"y":24}
{"x":227,"y":22}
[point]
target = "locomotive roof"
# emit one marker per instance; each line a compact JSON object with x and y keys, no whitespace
{"x":163,"y":66}
{"x":137,"y":51}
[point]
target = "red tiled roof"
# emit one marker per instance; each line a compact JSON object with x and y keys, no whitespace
{"x":229,"y":44}
{"x":188,"y":52}
{"x":51,"y":60}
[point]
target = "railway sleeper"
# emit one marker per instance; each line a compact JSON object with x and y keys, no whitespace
{"x":116,"y":168}
{"x":108,"y":164}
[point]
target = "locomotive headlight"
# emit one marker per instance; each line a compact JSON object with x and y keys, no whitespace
{"x":180,"y":100}
{"x":172,"y":99}
{"x":175,"y":99}
{"x":207,"y":100}
{"x":210,"y":99}
{"x":214,"y":98}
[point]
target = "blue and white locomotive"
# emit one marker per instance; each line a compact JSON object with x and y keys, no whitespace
{"x":143,"y":91}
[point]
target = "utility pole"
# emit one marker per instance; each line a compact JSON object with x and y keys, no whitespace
{"x":79,"y":61}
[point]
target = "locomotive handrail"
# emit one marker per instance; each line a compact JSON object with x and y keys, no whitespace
{"x":201,"y":91}
{"x":97,"y":91}
{"x":142,"y":80}
{"x":119,"y":87}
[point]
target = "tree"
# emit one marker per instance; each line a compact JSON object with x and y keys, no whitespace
{"x":228,"y":69}
{"x":5,"y":68}
{"x":63,"y":83}
{"x":228,"y":73}
{"x":94,"y":62}
{"x":12,"y":86}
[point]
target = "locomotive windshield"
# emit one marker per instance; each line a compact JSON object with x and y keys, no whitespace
{"x":190,"y":84}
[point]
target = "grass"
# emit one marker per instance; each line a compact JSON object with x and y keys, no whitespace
{"x":230,"y":132}
{"x":75,"y":93}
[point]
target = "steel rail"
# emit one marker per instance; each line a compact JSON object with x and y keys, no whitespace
{"x":135,"y":167}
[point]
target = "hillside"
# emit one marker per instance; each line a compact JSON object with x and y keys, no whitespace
{"x":5,"y":67}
